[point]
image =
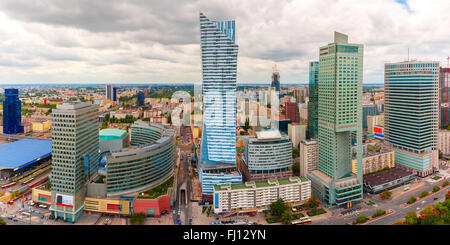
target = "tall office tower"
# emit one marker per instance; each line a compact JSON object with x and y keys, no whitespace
{"x":114,"y":94}
{"x":309,"y":157}
{"x":75,"y":156}
{"x":411,"y":117}
{"x":140,"y":99}
{"x":111,"y":92}
{"x":276,"y":80}
{"x":340,"y":113}
{"x":443,"y":95}
{"x":219,"y":64}
{"x":313,"y":103}
{"x":12,"y":112}
{"x":292,"y":112}
{"x":299,"y":95}
{"x":369,"y":110}
{"x":109,"y":88}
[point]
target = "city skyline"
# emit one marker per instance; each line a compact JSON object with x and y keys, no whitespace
{"x":84,"y":45}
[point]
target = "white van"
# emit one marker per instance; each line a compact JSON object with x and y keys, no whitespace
{"x":406,"y":188}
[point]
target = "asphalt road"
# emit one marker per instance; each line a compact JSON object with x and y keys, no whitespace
{"x":396,"y":205}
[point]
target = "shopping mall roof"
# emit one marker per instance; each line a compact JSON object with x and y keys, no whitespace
{"x":111,"y":134}
{"x":22,"y":153}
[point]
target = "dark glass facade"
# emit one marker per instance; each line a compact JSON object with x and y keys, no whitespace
{"x":313,"y":105}
{"x":12,"y":112}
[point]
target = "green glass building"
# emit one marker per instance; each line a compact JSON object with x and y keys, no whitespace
{"x":339,"y":113}
{"x":313,"y":104}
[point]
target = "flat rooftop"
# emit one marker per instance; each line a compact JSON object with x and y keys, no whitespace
{"x":252,"y":185}
{"x":268,"y":134}
{"x":23,"y":152}
{"x":385,"y":176}
{"x":111,"y":134}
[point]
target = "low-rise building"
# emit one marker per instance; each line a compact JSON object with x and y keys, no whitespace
{"x":444,"y":141}
{"x":386,"y":180}
{"x":375,"y":161}
{"x":309,"y":156}
{"x":297,"y":133}
{"x":259,"y":195}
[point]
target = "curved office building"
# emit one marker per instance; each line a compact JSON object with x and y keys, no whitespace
{"x":148,"y":162}
{"x":268,"y":156}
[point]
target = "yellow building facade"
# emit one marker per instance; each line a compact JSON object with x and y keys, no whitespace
{"x":109,"y":206}
{"x":373,"y":162}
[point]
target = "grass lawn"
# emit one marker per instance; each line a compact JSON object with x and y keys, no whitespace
{"x":436,"y":177}
{"x":157,"y":191}
{"x":315,"y":212}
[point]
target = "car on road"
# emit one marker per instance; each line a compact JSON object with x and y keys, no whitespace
{"x":179,"y":212}
{"x":15,"y":220}
{"x":174,"y":212}
{"x":435,"y":198}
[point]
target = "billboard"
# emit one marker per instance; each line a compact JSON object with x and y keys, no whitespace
{"x":378,"y":132}
{"x":64,"y":200}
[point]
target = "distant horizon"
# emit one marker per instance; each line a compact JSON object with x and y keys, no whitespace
{"x":152,"y":83}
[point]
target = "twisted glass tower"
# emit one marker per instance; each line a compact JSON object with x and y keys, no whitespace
{"x":219,"y":62}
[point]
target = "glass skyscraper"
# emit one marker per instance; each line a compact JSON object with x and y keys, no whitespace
{"x":219,"y":67}
{"x":12,"y":112}
{"x":412,"y":114}
{"x":340,"y":113}
{"x":313,"y":105}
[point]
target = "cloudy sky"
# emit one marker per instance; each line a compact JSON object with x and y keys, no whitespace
{"x":85,"y":41}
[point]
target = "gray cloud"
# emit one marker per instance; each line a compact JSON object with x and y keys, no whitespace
{"x":149,"y":40}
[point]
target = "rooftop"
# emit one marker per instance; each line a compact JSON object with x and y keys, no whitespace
{"x":385,"y":176}
{"x":111,"y":134}
{"x":253,"y":185}
{"x":73,"y":105}
{"x":23,"y":152}
{"x":268,"y":134}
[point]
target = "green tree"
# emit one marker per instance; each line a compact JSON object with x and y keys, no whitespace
{"x":411,"y":200}
{"x":242,"y":133}
{"x":2,"y":222}
{"x":137,"y":218}
{"x":169,"y":119}
{"x":296,"y":168}
{"x":48,"y":185}
{"x":436,"y":188}
{"x":447,"y":196}
{"x":440,"y":154}
{"x":445,"y":183}
{"x":361,"y":219}
{"x":423,"y":194}
{"x":247,"y":124}
{"x":312,"y":202}
{"x":286,"y":217}
{"x":295,"y":153}
{"x":378,"y":212}
{"x":278,"y":207}
{"x":385,"y":194}
{"x":411,"y":218}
